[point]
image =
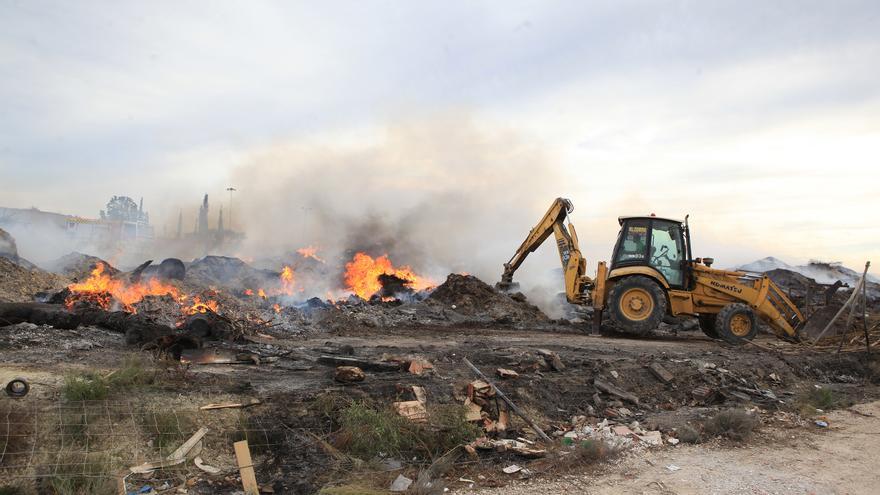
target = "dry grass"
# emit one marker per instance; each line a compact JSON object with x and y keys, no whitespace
{"x":350,"y":490}
{"x":733,"y":424}
{"x":79,"y":473}
{"x":367,"y":432}
{"x":135,"y":373}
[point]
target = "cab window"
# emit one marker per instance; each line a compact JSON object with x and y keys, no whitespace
{"x":667,"y":250}
{"x":634,"y":242}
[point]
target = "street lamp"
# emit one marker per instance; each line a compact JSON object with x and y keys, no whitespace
{"x":231,"y":190}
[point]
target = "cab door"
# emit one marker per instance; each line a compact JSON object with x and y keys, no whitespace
{"x":666,"y":252}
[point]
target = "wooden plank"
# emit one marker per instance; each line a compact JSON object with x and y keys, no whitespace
{"x":246,"y":468}
{"x":184,"y":449}
{"x":611,"y":389}
{"x":211,"y":407}
{"x":509,"y":402}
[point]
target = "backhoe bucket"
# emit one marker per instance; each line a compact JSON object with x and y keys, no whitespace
{"x":507,"y":286}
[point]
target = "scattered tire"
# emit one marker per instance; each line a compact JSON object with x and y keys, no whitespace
{"x":736,"y":323}
{"x":17,"y":388}
{"x":636,"y":305}
{"x":172,"y":268}
{"x":707,"y":325}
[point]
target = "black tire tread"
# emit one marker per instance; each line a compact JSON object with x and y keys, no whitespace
{"x":707,"y":324}
{"x":620,"y":322}
{"x":722,"y":323}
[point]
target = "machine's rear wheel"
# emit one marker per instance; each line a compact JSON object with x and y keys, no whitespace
{"x":636,"y":305}
{"x":707,"y":325}
{"x":736,"y":323}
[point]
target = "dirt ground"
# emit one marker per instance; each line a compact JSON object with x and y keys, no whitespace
{"x":788,"y":456}
{"x":838,"y":460}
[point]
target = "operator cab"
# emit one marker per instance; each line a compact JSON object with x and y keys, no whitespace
{"x":659,"y":243}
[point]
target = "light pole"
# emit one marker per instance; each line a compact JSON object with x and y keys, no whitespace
{"x":231,"y":190}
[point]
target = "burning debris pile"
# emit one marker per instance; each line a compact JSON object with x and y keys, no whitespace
{"x":224,"y":297}
{"x":367,"y":277}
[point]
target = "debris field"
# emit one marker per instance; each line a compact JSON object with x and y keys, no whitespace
{"x":215,"y":376}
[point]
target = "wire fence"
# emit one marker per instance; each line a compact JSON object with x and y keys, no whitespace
{"x":90,"y":446}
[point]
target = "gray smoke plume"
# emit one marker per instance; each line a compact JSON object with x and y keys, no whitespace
{"x":447,"y":194}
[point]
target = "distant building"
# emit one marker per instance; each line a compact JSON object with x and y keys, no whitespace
{"x":122,"y":221}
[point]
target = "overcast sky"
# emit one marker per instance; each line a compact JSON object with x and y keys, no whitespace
{"x":760,"y":119}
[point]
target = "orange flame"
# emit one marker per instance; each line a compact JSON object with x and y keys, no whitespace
{"x":309,"y":252}
{"x":199,"y":306}
{"x":248,"y":292}
{"x":362,"y":275}
{"x":103,"y":289}
{"x":287,"y":280}
{"x":276,"y":307}
{"x":261,"y":293}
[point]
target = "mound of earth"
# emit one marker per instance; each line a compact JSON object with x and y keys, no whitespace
{"x":79,"y":266}
{"x":226,"y":271}
{"x":788,"y":279}
{"x":18,"y":284}
{"x":470,"y":296}
{"x":9,"y":251}
{"x":7,"y":245}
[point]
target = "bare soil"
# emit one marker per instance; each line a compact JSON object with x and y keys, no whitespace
{"x":290,"y":380}
{"x":840,"y":459}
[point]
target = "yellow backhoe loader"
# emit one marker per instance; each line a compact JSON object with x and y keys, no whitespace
{"x":652,"y":275}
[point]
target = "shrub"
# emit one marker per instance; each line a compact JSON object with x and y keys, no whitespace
{"x":688,"y":434}
{"x":733,"y":423}
{"x":85,"y":386}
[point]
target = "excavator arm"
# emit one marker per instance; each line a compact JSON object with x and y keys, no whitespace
{"x":577,"y":284}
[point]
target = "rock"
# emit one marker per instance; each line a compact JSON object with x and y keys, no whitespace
{"x":673,"y":441}
{"x":506,"y":373}
{"x":400,"y":484}
{"x":349,"y":374}
{"x":513,"y":468}
{"x":652,"y":438}
{"x":661,"y":373}
{"x":553,"y":359}
{"x":621,"y":430}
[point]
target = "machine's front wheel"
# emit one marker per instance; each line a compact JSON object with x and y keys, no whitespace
{"x":636,"y":305}
{"x":707,"y":325}
{"x":736,"y":323}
